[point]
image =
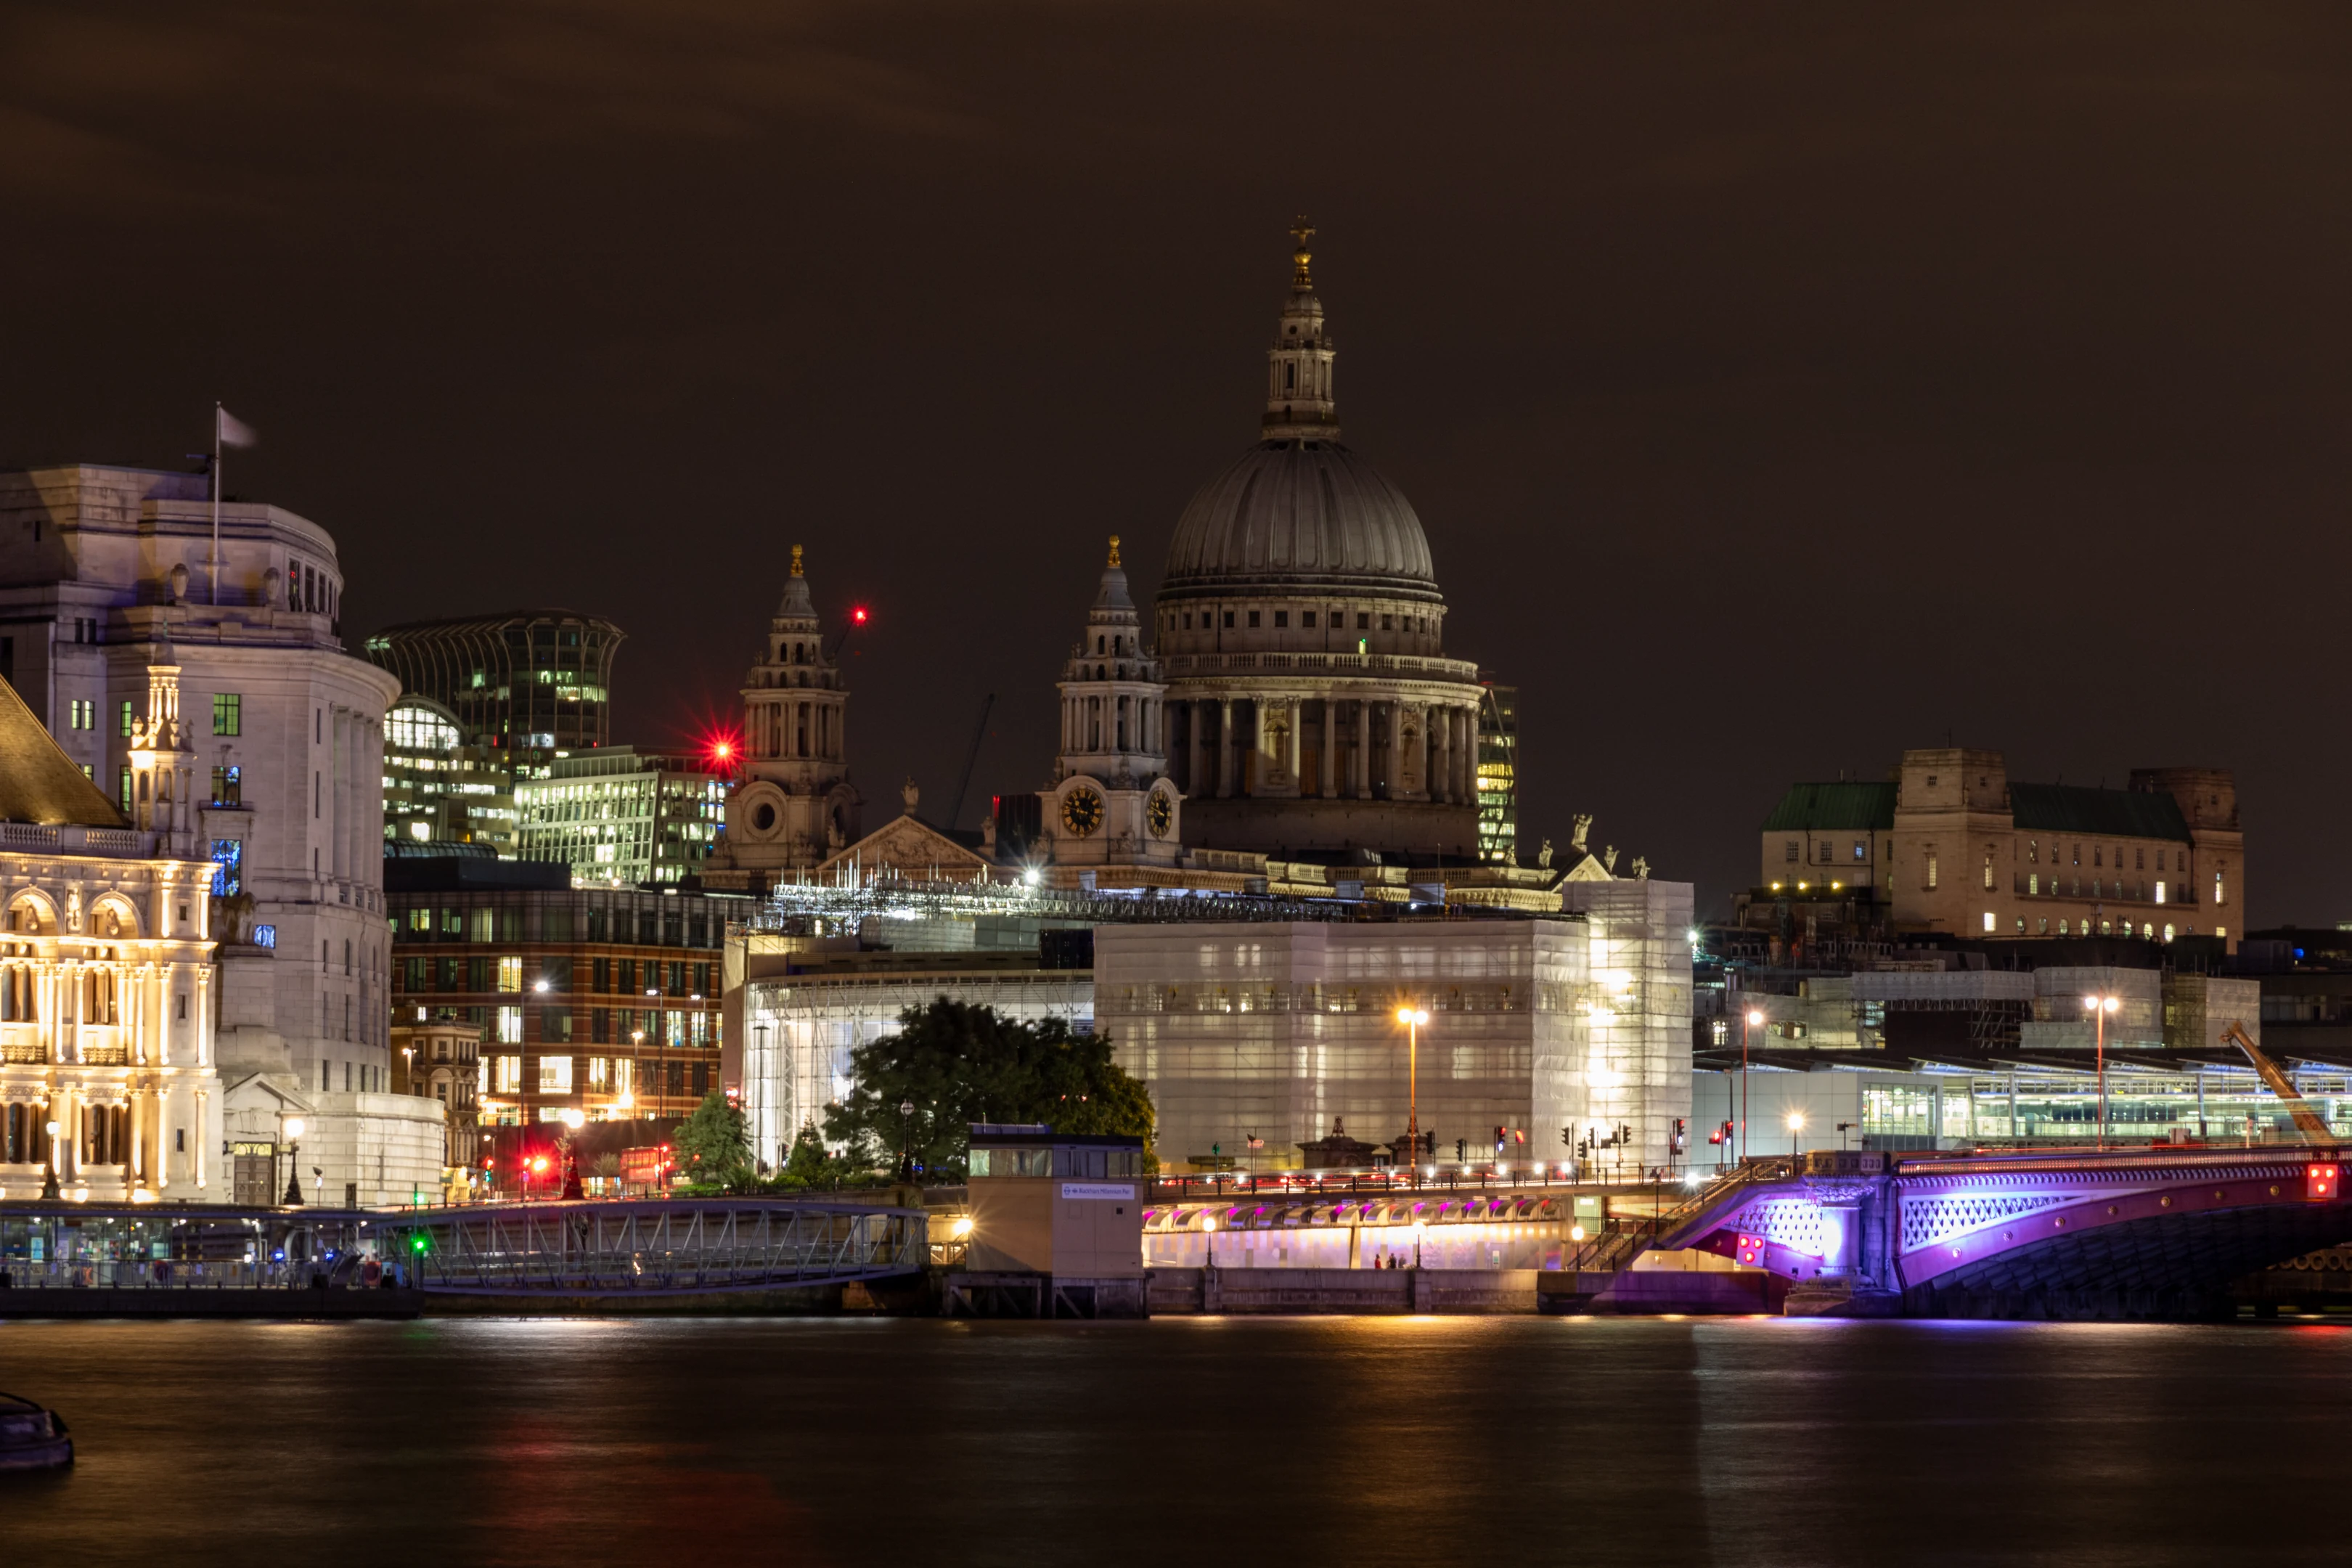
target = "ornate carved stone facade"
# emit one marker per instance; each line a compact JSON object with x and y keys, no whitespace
{"x":105,"y":978}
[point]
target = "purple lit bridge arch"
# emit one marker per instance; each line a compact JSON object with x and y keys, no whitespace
{"x":2140,"y":1233}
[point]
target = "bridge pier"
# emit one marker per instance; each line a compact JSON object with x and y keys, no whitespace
{"x":1852,"y":1281}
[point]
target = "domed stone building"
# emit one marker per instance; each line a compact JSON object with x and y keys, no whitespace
{"x":1310,"y":707}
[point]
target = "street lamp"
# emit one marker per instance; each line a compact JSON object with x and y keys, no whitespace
{"x":1796,"y":1125}
{"x":294,"y":1162}
{"x":2098,"y":1005}
{"x":905,"y":1125}
{"x":1747,"y":1021}
{"x":1413,"y":1018}
{"x":1208,"y":1240}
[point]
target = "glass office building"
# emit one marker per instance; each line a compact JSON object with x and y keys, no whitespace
{"x":530,"y":684}
{"x":620,"y":817}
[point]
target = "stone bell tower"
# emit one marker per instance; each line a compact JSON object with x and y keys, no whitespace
{"x":1112,"y":803}
{"x":795,"y":803}
{"x":162,"y":764}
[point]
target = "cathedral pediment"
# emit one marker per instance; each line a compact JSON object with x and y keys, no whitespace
{"x":910,"y":847}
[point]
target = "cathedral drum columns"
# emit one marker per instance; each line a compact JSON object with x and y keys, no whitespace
{"x":1302,"y":633}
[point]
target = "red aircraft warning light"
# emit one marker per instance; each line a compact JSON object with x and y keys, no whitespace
{"x":1751,"y":1251}
{"x":857,"y":615}
{"x":2320,"y":1183}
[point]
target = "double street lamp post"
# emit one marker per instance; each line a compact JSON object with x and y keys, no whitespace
{"x":2099,"y":1004}
{"x":1413,"y":1018}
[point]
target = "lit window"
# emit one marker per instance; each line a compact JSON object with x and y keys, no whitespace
{"x":228,"y":713}
{"x":1860,"y":850}
{"x":1931,"y":870}
{"x":1988,"y":922}
{"x":555,"y":1075}
{"x":2159,"y":889}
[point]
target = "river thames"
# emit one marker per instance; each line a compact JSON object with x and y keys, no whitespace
{"x":1195,"y":1441}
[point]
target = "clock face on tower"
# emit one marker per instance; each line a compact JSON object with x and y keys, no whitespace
{"x":1082,"y":811}
{"x":1161,"y":812}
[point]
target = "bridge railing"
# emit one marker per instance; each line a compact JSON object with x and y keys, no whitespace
{"x":604,"y":1247}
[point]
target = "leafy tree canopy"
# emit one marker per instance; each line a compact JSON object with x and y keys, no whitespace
{"x":956,"y":1063}
{"x":714,"y":1144}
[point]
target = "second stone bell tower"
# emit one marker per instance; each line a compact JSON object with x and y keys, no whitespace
{"x":1112,"y":803}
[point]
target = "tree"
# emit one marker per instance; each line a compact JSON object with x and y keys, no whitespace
{"x":714,"y":1144}
{"x":956,"y":1063}
{"x":806,"y":1166}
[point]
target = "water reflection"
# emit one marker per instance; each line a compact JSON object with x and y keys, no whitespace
{"x":1294,"y":1441}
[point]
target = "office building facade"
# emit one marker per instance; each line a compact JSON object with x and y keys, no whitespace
{"x":620,"y":817}
{"x":597,"y":1001}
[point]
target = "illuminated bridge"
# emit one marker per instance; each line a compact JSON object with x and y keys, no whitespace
{"x":680,"y":1246}
{"x":2139,"y":1232}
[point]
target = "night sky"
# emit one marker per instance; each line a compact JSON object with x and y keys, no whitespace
{"x":1779,"y":387}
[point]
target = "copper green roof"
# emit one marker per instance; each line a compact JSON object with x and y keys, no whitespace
{"x":39,"y":782}
{"x":1837,"y":807}
{"x":2106,"y":813}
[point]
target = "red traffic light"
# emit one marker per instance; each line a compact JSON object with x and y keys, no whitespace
{"x":539,"y":1163}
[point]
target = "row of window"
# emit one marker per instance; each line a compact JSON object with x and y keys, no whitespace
{"x":555,"y":972}
{"x":2147,"y":929}
{"x":594,"y":1075}
{"x":1334,"y":620}
{"x":1827,"y":852}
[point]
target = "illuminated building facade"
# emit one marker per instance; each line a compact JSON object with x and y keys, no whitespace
{"x":602,"y":1003}
{"x":1498,"y":775}
{"x":530,"y":684}
{"x":1277,"y":1030}
{"x":439,"y":789}
{"x":439,"y":1058}
{"x":1950,"y":843}
{"x":105,"y":975}
{"x":620,"y":817}
{"x":110,"y":577}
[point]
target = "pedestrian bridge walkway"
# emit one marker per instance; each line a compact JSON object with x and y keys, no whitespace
{"x":673,"y":1247}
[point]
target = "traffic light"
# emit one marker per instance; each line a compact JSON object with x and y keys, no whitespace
{"x":2320,"y":1183}
{"x":1682,"y":1133}
{"x":1498,"y":1140}
{"x":1568,"y":1137}
{"x":1520,"y":1136}
{"x":1462,"y":1149}
{"x":419,"y":1243}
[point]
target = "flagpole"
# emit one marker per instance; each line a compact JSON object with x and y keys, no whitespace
{"x":213,"y":573}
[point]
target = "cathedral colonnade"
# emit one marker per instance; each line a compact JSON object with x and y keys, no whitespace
{"x":1368,"y":746}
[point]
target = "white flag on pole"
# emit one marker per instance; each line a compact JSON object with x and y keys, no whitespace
{"x":233,"y":431}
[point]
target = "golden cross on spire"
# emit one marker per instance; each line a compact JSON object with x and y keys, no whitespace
{"x":796,"y":561}
{"x":1302,"y":231}
{"x":1114,"y":550}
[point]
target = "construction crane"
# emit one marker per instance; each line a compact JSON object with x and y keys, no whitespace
{"x":2307,"y":1121}
{"x":970,"y":761}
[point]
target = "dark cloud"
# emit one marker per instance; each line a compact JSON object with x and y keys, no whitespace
{"x":1779,"y":388}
